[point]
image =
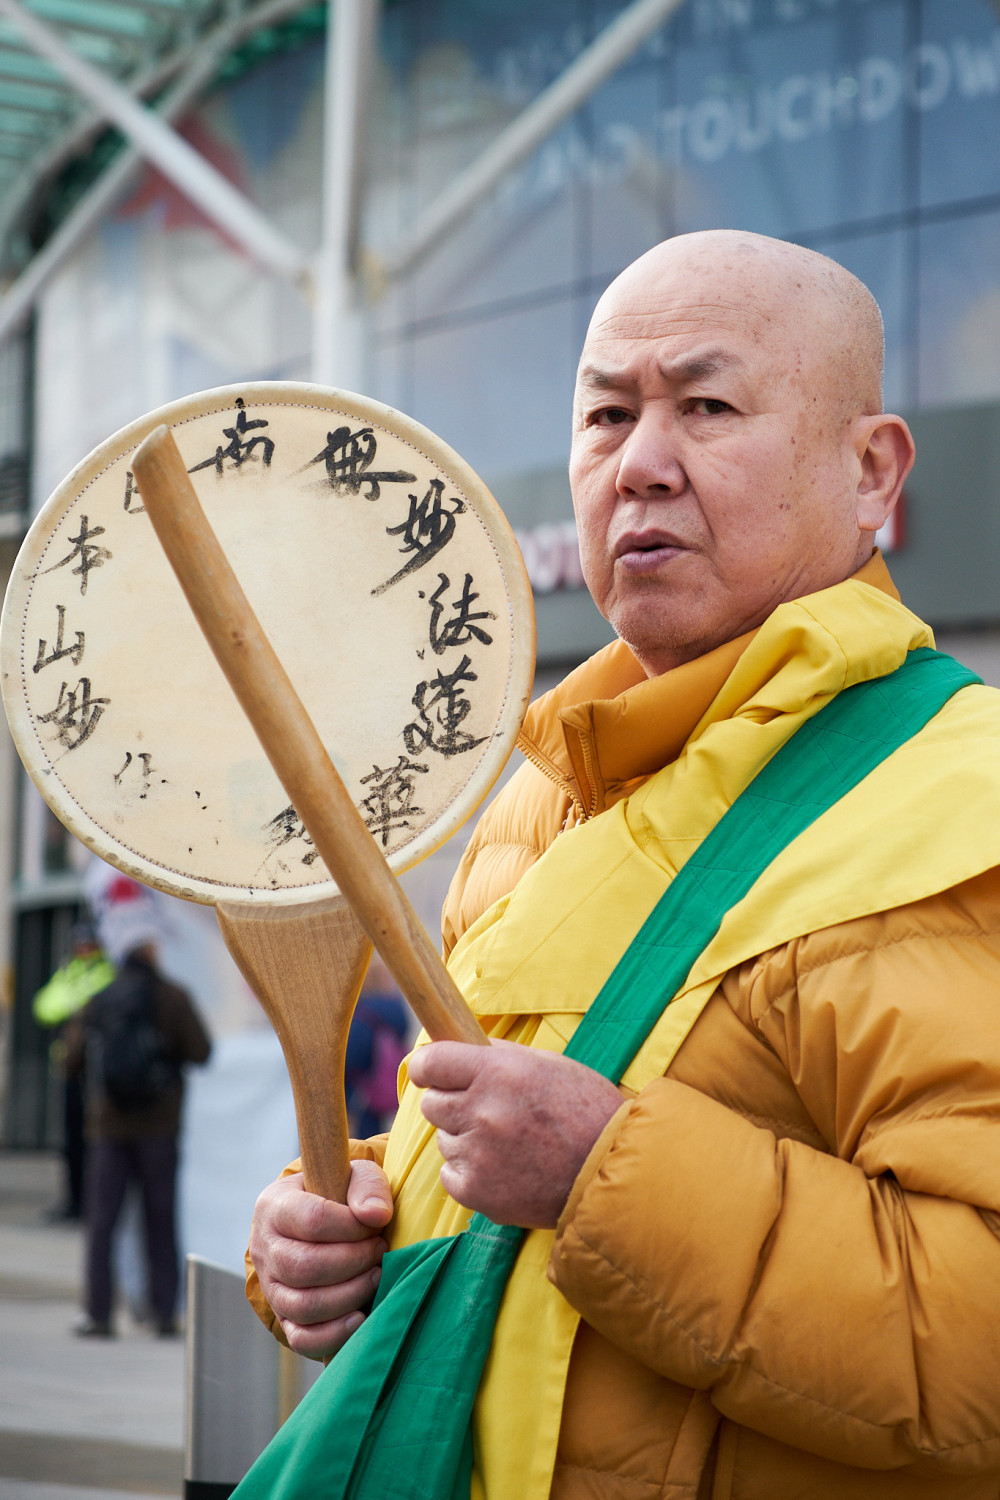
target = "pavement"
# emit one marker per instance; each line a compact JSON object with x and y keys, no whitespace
{"x":80,"y":1419}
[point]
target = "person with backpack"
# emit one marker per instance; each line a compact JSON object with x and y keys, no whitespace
{"x":130,"y":1044}
{"x":71,"y":986}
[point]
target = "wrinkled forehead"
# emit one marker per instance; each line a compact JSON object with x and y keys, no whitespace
{"x":689,"y":296}
{"x":689,"y":334}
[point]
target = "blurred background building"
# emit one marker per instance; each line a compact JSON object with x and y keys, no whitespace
{"x":427,"y":203}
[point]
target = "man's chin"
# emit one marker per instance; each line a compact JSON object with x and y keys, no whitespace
{"x":661,"y":640}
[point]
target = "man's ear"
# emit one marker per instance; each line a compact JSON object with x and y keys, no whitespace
{"x":886,"y":452}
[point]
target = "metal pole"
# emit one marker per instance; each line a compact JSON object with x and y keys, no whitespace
{"x":524,"y":134}
{"x":337,"y":345}
{"x":191,"y":173}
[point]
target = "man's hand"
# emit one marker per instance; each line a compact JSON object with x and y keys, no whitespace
{"x":318,"y":1262}
{"x":514,"y":1126}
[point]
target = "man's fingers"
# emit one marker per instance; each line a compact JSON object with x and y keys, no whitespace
{"x":369,"y":1197}
{"x":445,"y":1065}
{"x":310,"y":1306}
{"x":287,"y":1209}
{"x":447,"y":1110}
{"x":323,"y":1339}
{"x":295,"y":1263}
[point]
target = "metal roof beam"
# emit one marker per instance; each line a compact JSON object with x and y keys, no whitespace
{"x":33,"y":98}
{"x":605,"y":55}
{"x":206,"y":58}
{"x":28,"y":69}
{"x":95,"y":45}
{"x":196,"y":178}
{"x":83,"y":15}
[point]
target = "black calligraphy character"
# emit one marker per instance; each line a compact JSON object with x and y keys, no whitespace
{"x":287,"y":827}
{"x":460,"y":628}
{"x":389,"y":804}
{"x":59,"y":650}
{"x":442,"y":706}
{"x":348,"y":457}
{"x":131,"y":488}
{"x":237,"y":450}
{"x":76,"y":714}
{"x":427,"y":528}
{"x":90,"y":553}
{"x":146,"y":761}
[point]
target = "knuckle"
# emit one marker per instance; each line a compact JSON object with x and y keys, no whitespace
{"x":312,"y":1215}
{"x":298,"y":1264}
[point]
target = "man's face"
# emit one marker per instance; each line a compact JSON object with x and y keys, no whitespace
{"x":713,"y":469}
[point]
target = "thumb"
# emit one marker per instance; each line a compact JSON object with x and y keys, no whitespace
{"x":369,"y":1196}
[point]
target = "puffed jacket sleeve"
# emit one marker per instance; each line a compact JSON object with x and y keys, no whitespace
{"x":370,"y":1150}
{"x":845,"y":1301}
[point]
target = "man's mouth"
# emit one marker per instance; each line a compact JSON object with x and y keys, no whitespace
{"x":642,"y":551}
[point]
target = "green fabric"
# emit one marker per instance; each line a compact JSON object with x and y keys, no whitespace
{"x":830,"y":754}
{"x":391,"y":1415}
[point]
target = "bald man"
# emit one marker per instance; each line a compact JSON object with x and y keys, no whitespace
{"x":768,"y":1264}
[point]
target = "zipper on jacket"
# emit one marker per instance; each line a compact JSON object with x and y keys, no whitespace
{"x":549,"y":771}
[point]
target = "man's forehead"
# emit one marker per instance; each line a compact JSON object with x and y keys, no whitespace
{"x":683,"y":328}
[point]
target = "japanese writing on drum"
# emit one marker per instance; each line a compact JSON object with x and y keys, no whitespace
{"x":457,"y":622}
{"x":76,"y":713}
{"x":138,"y":771}
{"x":441,"y":700}
{"x":348,"y":457}
{"x":285,"y":828}
{"x":340,"y":530}
{"x":240,"y":447}
{"x":78,"y":709}
{"x":132,"y":493}
{"x":86,"y":553}
{"x":389,"y":805}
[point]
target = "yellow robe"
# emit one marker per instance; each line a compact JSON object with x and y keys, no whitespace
{"x":533,"y":963}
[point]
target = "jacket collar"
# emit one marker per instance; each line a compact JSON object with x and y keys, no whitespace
{"x":607,"y":726}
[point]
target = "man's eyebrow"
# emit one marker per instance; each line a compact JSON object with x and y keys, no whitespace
{"x":700,"y":366}
{"x":598,"y":379}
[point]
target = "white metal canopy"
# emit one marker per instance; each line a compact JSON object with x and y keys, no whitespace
{"x":106,"y":56}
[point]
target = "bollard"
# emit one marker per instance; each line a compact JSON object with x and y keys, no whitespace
{"x":241,"y":1384}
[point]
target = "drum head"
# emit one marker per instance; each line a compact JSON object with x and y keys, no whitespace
{"x":390,"y":586}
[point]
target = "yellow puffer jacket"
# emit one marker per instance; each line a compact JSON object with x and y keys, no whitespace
{"x":785,"y":1247}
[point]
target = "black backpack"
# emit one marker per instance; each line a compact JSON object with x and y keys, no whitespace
{"x":126,"y":1052}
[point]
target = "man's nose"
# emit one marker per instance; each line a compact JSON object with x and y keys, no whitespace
{"x":650,"y":465}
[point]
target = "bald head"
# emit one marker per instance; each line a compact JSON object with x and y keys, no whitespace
{"x":729,"y":447}
{"x":818,"y":316}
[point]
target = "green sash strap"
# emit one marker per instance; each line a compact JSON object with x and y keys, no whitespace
{"x":392,"y":1413}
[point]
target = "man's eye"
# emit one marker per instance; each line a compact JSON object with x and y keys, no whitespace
{"x":611,"y":416}
{"x":707,"y":406}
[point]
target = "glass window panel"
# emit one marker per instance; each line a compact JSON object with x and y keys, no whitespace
{"x":960,"y":311}
{"x":957,"y":86}
{"x":500,"y":390}
{"x":785,"y":129}
{"x":629,"y":180}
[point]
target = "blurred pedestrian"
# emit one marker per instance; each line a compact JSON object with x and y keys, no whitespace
{"x":376,"y":1045}
{"x":87,"y":971}
{"x":131,"y":1043}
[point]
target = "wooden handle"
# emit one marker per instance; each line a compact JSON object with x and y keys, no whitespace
{"x":305,"y":965}
{"x":292,"y":745}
